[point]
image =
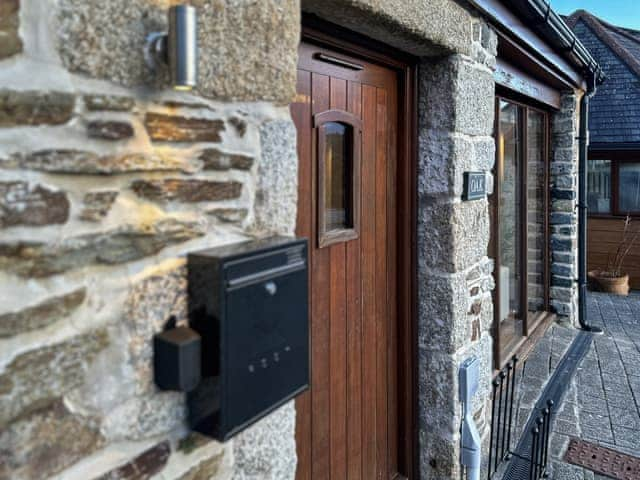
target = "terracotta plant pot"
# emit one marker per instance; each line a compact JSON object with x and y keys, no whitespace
{"x":609,"y":284}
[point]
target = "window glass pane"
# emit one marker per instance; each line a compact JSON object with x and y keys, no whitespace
{"x":629,"y":187}
{"x":509,"y":276}
{"x":599,"y":186}
{"x":535,"y":212}
{"x":337,"y":176}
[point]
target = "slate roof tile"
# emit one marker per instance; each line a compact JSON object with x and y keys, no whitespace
{"x":615,"y":109}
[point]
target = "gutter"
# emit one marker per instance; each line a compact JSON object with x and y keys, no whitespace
{"x":551,"y":23}
{"x":582,"y":205}
{"x":537,"y":17}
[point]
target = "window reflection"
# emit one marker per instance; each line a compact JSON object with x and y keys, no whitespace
{"x":629,"y":201}
{"x":599,"y":186}
{"x":509,"y":276}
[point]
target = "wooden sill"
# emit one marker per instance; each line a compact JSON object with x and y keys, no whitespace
{"x":526,"y":345}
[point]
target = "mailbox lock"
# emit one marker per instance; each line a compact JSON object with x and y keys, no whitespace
{"x":271,"y":288}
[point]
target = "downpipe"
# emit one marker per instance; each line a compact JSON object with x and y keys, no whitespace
{"x":583,"y":207}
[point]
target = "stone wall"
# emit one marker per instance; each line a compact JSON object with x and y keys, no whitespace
{"x":563,"y":213}
{"x":107,"y":179}
{"x":457,"y":95}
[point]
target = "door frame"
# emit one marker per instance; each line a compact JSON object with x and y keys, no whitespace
{"x":317,"y":31}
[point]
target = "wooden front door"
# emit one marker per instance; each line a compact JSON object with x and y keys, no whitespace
{"x":346,"y":113}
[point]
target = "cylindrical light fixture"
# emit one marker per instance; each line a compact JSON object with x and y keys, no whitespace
{"x":183,"y":47}
{"x":178,"y":48}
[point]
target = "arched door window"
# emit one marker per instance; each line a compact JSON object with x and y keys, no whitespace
{"x":338,"y":189}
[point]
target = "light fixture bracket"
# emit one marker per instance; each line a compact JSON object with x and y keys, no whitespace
{"x":156,"y":53}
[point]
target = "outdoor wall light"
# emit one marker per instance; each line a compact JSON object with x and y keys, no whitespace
{"x":177,"y":48}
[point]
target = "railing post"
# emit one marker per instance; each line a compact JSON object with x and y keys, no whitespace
{"x":548,"y":413}
{"x":508,"y":403}
{"x":513,"y":393}
{"x":500,"y":395}
{"x":533,"y":465}
{"x":540,"y":426}
{"x":494,"y":384}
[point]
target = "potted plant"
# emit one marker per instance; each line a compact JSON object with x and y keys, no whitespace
{"x":613,"y":279}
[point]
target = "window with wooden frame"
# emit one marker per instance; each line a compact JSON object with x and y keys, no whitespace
{"x":338,"y":156}
{"x":613,"y":187}
{"x":520,"y":225}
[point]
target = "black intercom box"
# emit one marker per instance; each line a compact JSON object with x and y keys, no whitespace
{"x":249,"y":302}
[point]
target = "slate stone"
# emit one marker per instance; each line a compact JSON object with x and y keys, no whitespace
{"x":192,"y":442}
{"x":28,"y":204}
{"x":562,"y":269}
{"x":35,"y":108}
{"x":563,"y":257}
{"x":37,"y":377}
{"x":562,"y":218}
{"x":42,"y":314}
{"x":109,"y":130}
{"x":85,"y":162}
{"x":11,"y":43}
{"x":229,"y":215}
{"x":174,"y":128}
{"x":142,"y":467}
{"x":96,"y":205}
{"x":108,"y":102}
{"x":559,"y":194}
{"x":187,"y":190}
{"x":565,"y":229}
{"x":214,"y":159}
{"x":120,"y":245}
{"x":186,"y":104}
{"x":239,"y":125}
{"x":45,"y":441}
{"x":562,"y":244}
{"x":564,"y":282}
{"x":206,"y":469}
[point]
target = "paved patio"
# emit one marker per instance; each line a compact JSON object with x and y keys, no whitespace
{"x":605,"y":394}
{"x":602,"y":404}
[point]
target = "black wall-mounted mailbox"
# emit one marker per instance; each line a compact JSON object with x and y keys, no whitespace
{"x":249,"y":302}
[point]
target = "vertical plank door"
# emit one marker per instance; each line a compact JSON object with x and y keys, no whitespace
{"x":347,"y":423}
